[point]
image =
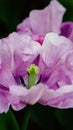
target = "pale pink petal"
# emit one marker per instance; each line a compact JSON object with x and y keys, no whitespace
{"x":4,"y":105}
{"x":23,"y":50}
{"x":29,"y":96}
{"x":61,"y":98}
{"x":6,"y":76}
{"x":54,"y":46}
{"x":50,"y":19}
{"x":12,"y":100}
{"x":34,"y":94}
{"x":18,"y":106}
{"x":24,"y":26}
{"x":18,"y":90}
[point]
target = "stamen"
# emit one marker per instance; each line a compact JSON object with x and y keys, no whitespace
{"x":33,"y":70}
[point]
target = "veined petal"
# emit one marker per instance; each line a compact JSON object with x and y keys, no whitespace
{"x":4,"y":105}
{"x":24,"y":26}
{"x":50,"y":19}
{"x":54,"y":46}
{"x":23,"y":50}
{"x":61,"y":98}
{"x":29,"y":96}
{"x":18,"y":106}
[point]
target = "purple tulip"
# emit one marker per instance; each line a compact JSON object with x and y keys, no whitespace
{"x":31,"y":72}
{"x":53,"y":84}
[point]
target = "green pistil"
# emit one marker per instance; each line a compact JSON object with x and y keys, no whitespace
{"x":32,"y":73}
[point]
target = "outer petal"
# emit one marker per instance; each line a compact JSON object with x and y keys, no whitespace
{"x":49,"y":18}
{"x":61,"y":98}
{"x":14,"y":101}
{"x":18,"y":106}
{"x":6,"y":99}
{"x":67,"y":30}
{"x":16,"y":53}
{"x":6,"y":77}
{"x":24,"y":26}
{"x":63,"y":71}
{"x":54,"y":46}
{"x":23,"y":51}
{"x":29,"y":96}
{"x":4,"y":105}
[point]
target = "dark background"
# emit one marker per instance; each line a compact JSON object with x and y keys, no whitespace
{"x":12,"y":12}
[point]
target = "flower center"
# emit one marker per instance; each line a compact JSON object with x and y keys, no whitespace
{"x":33,"y":70}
